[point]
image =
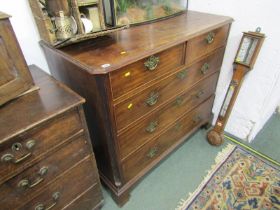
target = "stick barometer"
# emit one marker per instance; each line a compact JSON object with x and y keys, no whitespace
{"x":245,"y":59}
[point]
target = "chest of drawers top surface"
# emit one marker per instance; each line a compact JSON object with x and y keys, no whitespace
{"x":36,"y":107}
{"x":106,"y":54}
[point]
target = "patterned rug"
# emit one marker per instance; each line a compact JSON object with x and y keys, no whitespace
{"x":241,"y":180}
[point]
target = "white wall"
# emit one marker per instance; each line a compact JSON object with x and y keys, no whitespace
{"x":259,"y":95}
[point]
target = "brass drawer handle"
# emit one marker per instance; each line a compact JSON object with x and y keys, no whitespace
{"x":210,"y":38}
{"x":197,"y":119}
{"x":182,"y":74}
{"x":55,"y":197}
{"x":152,"y":63}
{"x":25,"y":183}
{"x":153,"y":98}
{"x":199,"y":94}
{"x":179,"y":100}
{"x":205,"y":67}
{"x":153,"y":152}
{"x":16,"y":147}
{"x":178,"y":126}
{"x":152,"y":126}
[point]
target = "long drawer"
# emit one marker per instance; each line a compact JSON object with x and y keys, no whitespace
{"x":145,"y":70}
{"x":66,"y":188}
{"x":150,"y":99}
{"x":23,"y":150}
{"x":145,"y":130}
{"x":24,"y":186}
{"x":149,"y":153}
{"x":206,"y":43}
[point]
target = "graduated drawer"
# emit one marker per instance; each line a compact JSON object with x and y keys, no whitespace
{"x":24,"y":186}
{"x":23,"y":150}
{"x":91,"y":199}
{"x":145,"y":130}
{"x":136,"y":74}
{"x":150,"y":152}
{"x":150,"y":99}
{"x":66,"y":188}
{"x":206,"y":43}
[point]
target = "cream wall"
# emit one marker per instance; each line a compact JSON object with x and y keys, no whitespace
{"x":259,"y":95}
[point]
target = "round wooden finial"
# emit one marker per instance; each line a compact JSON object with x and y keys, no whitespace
{"x":215,"y":138}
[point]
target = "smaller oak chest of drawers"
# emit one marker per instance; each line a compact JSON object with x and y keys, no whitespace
{"x":46,"y":155}
{"x":147,"y":88}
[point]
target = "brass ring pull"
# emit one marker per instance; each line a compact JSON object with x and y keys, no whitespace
{"x":182,"y":74}
{"x":205,"y":67}
{"x":153,"y":152}
{"x":199,"y":94}
{"x":210,"y":38}
{"x":152,"y":63}
{"x":25,"y":183}
{"x":152,"y":127}
{"x":55,"y":197}
{"x":153,"y":98}
{"x":197,"y":119}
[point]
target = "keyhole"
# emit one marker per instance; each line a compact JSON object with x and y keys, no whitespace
{"x":16,"y":146}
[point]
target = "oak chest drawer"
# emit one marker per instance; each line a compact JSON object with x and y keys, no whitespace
{"x":150,"y":99}
{"x":65,"y":189}
{"x":150,"y":152}
{"x":32,"y":145}
{"x":27,"y":184}
{"x":153,"y":125}
{"x":206,"y":43}
{"x":147,"y":69}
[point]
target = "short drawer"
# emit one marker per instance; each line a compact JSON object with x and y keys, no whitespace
{"x":24,"y":186}
{"x":150,"y":99}
{"x":65,"y":189}
{"x":151,"y":152}
{"x":145,"y":130}
{"x":206,"y":43}
{"x":23,"y":150}
{"x":145,"y":70}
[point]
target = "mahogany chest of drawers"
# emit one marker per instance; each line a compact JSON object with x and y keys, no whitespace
{"x":46,"y":155}
{"x":147,"y":89}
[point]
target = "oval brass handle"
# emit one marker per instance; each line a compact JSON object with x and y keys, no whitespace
{"x":152,"y":63}
{"x":55,"y":197}
{"x":182,"y":74}
{"x":152,"y":126}
{"x":153,"y":152}
{"x":179,"y":100}
{"x":199,"y":94}
{"x":178,"y":126}
{"x":25,"y":183}
{"x":210,"y":37}
{"x":153,"y":98}
{"x":197,"y":119}
{"x":205,"y":67}
{"x":11,"y":158}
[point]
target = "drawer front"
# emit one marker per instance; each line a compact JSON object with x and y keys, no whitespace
{"x":25,"y":185}
{"x":206,"y":43}
{"x":145,"y":70}
{"x":141,"y":104}
{"x":24,"y":150}
{"x":66,"y":188}
{"x":90,"y":200}
{"x":151,"y":151}
{"x":143,"y":131}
